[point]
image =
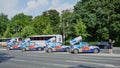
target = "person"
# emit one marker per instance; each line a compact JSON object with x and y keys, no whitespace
{"x":111,"y":45}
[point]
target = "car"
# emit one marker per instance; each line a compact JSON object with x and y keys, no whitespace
{"x":84,"y":47}
{"x":57,"y":47}
{"x":13,"y":44}
{"x":27,"y":46}
{"x":103,"y":45}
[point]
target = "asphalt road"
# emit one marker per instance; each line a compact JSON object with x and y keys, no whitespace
{"x":37,"y":59}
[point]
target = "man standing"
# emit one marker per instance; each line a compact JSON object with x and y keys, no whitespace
{"x":111,"y":45}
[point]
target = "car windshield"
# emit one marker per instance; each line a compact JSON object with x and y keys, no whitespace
{"x":84,"y":44}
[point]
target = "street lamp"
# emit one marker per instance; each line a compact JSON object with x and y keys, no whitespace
{"x":17,"y":30}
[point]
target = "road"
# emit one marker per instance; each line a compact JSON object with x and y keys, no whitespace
{"x":37,"y":59}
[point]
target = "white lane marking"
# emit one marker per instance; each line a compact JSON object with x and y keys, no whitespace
{"x":100,"y":64}
{"x":53,"y":64}
{"x":102,"y":54}
{"x":76,"y":58}
{"x":2,"y":49}
{"x":61,"y":65}
{"x":17,"y":60}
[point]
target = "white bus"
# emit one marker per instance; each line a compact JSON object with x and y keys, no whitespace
{"x":40,"y":39}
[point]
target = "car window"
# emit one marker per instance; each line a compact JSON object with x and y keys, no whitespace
{"x":84,"y":44}
{"x":58,"y":44}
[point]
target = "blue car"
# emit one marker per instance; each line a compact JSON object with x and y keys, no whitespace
{"x":31,"y":46}
{"x":13,"y":45}
{"x":84,"y":47}
{"x":57,"y":47}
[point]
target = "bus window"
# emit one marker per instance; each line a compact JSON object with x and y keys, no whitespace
{"x":40,"y":39}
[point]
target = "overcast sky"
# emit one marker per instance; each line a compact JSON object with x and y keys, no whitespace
{"x":34,"y":7}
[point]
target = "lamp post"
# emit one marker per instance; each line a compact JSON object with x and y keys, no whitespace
{"x":65,"y":31}
{"x":17,"y":30}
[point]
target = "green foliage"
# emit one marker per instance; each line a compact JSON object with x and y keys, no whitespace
{"x":54,"y":18}
{"x":27,"y":31}
{"x":4,"y":21}
{"x":7,"y":33}
{"x":80,"y":29}
{"x":42,"y":25}
{"x":102,"y":18}
{"x":18,"y":22}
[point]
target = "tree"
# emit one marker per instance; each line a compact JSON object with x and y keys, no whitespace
{"x":55,"y":19}
{"x":80,"y":29}
{"x":7,"y":33}
{"x":66,"y":25}
{"x":18,"y":22}
{"x":4,"y":21}
{"x":42,"y":25}
{"x":27,"y":31}
{"x":100,"y":17}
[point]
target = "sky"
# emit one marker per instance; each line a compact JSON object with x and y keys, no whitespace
{"x":34,"y":7}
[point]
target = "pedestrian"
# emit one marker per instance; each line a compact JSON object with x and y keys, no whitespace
{"x":111,"y":45}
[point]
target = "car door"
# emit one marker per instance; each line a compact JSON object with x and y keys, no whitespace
{"x":58,"y":47}
{"x":85,"y":47}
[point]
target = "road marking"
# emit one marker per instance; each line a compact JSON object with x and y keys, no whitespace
{"x":2,"y":49}
{"x":61,"y":65}
{"x":54,"y":64}
{"x":100,"y":64}
{"x":102,"y":54}
{"x":17,"y":60}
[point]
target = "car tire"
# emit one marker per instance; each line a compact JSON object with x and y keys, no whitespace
{"x":39,"y":49}
{"x":23,"y":49}
{"x":75,"y":51}
{"x":49,"y":50}
{"x":67,"y":49}
{"x":8,"y":48}
{"x":96,"y":50}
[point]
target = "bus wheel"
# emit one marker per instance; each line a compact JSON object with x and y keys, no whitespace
{"x":23,"y":49}
{"x":96,"y":51}
{"x":75,"y":51}
{"x":49,"y":50}
{"x":39,"y":49}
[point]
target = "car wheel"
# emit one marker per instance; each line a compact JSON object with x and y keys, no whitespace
{"x":8,"y":48}
{"x":49,"y":50}
{"x":39,"y":49}
{"x":23,"y":49}
{"x":96,"y":51}
{"x":67,"y":49}
{"x":75,"y":51}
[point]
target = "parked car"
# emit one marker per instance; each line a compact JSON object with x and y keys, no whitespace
{"x":103,"y":45}
{"x":59,"y":47}
{"x":13,"y":44}
{"x":84,"y":47}
{"x":31,"y":46}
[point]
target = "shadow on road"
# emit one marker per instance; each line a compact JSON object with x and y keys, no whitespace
{"x":5,"y":57}
{"x":82,"y":66}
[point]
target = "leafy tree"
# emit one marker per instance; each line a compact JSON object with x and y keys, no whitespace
{"x":27,"y":31}
{"x":7,"y":33}
{"x":80,"y":29}
{"x":100,"y":17}
{"x":4,"y":21}
{"x":55,"y":19}
{"x":48,"y":29}
{"x":42,"y":25}
{"x":18,"y":22}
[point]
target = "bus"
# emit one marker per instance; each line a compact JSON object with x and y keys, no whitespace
{"x":40,"y":39}
{"x":3,"y":41}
